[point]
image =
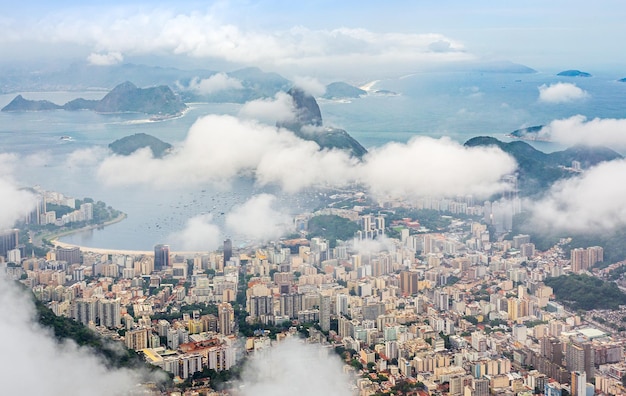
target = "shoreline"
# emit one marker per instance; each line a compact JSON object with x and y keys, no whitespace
{"x":54,"y":240}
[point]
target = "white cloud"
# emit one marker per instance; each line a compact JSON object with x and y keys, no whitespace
{"x":257,"y":219}
{"x":220,"y":148}
{"x":309,"y":85}
{"x":280,"y":108}
{"x":561,"y":93}
{"x":438,"y":167}
{"x":591,"y":202}
{"x":15,"y":203}
{"x":286,"y":370}
{"x":372,"y":246}
{"x":216,"y":83}
{"x":61,"y":368}
{"x":108,"y":59}
{"x":85,"y":157}
{"x":199,"y":235}
{"x":203,"y":35}
{"x":578,"y":130}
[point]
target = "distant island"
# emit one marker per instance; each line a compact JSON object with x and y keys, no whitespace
{"x":129,"y":144}
{"x":124,"y":98}
{"x":342,"y":90}
{"x":573,"y":73}
{"x":532,"y":133}
{"x":622,"y":79}
{"x":308,"y":125}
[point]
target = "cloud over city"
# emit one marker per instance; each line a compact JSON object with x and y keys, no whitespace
{"x":220,"y":148}
{"x":259,"y":219}
{"x":591,"y":202}
{"x":199,"y":234}
{"x":286,"y":370}
{"x":438,"y":167}
{"x":61,"y":368}
{"x":561,"y":93}
{"x":15,"y":202}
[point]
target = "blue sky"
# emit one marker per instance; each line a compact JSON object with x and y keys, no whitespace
{"x":321,"y":36}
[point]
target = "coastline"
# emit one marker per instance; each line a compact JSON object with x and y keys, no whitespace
{"x":53,"y":239}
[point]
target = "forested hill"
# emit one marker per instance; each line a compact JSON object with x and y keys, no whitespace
{"x":538,"y":170}
{"x":579,"y":291}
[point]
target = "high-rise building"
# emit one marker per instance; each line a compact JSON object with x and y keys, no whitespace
{"x":579,"y":357}
{"x":519,"y":240}
{"x":481,"y":386}
{"x":8,"y":241}
{"x":87,"y":210}
{"x":408,"y":282}
{"x":325,"y":312}
{"x":71,"y":255}
{"x":109,"y":313}
{"x":226,"y":318}
{"x":291,"y":304}
{"x":341,"y":304}
{"x":137,"y":339}
{"x":161,"y":257}
{"x":552,"y":389}
{"x":578,"y":258}
{"x":228,"y":250}
{"x":579,"y":383}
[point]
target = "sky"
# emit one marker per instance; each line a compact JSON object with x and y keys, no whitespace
{"x":319,"y":37}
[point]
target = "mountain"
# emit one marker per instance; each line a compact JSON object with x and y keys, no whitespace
{"x":622,"y":79}
{"x":537,"y":171}
{"x":129,"y":144}
{"x":246,"y":84}
{"x":20,"y":104}
{"x":81,"y":76}
{"x":530,"y":133}
{"x":125,"y":97}
{"x":503,"y":67}
{"x":81,"y":104}
{"x":574,"y":73}
{"x":308,"y":125}
{"x":341,"y":90}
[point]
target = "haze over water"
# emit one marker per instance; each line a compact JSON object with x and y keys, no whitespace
{"x":459,"y":105}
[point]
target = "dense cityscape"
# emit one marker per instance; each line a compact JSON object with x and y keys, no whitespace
{"x":355,"y":198}
{"x":407,"y":309}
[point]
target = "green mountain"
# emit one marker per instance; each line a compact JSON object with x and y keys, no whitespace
{"x":308,"y":125}
{"x":81,"y":104}
{"x":579,"y":291}
{"x":574,"y":73}
{"x":129,"y":144}
{"x":125,"y":97}
{"x":530,"y":133}
{"x":20,"y":104}
{"x":537,"y":171}
{"x":339,"y":90}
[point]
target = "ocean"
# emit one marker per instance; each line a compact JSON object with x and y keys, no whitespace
{"x":458,"y":105}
